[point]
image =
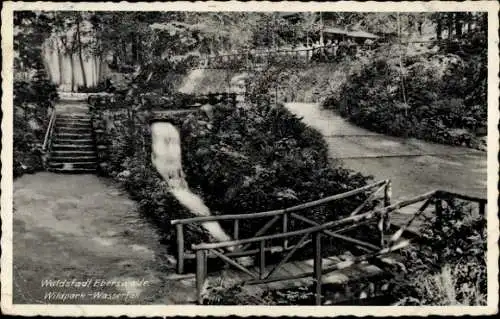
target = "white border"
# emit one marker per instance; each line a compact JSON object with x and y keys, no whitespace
{"x":85,"y":310}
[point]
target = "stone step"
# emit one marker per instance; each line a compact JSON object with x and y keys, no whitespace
{"x":79,"y":119}
{"x":72,"y":165}
{"x":69,"y":129}
{"x":78,"y":152}
{"x":73,"y":171}
{"x":72,"y":159}
{"x":73,"y":141}
{"x":65,"y":123}
{"x":79,"y":115}
{"x":72,"y":147}
{"x":76,"y":136}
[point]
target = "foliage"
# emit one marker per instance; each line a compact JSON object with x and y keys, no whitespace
{"x":30,"y":28}
{"x":236,"y":295}
{"x":31,"y":103}
{"x":250,"y":160}
{"x":241,"y":160}
{"x":440,"y":100}
{"x":448,"y":266}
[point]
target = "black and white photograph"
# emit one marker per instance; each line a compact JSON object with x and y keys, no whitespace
{"x":294,"y":154}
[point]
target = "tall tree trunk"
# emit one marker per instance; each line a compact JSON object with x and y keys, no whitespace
{"x":484,"y":22}
{"x":99,"y":68}
{"x":60,"y":63}
{"x":134,"y":48}
{"x":124,"y":53}
{"x":72,"y":63}
{"x":80,"y":53}
{"x":439,"y":28}
{"x":458,"y":24}
{"x":469,"y":22}
{"x":139,"y":50}
{"x":450,"y":25}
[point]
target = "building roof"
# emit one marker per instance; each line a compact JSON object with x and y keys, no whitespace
{"x":288,"y":14}
{"x":334,"y":30}
{"x":362,"y":34}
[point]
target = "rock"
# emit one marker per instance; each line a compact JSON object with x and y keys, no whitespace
{"x":103,"y":165}
{"x":19,"y":111}
{"x":124,"y":174}
{"x":33,"y":125}
{"x":208,"y":110}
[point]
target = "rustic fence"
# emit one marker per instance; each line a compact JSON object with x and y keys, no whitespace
{"x":256,"y":245}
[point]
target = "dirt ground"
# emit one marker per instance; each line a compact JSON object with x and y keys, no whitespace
{"x":82,"y":233}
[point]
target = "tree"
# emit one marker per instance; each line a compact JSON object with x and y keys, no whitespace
{"x":31,"y":29}
{"x":79,"y":43}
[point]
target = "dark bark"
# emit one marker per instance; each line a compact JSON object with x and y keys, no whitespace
{"x":450,"y":25}
{"x":80,"y":51}
{"x":135,"y":49}
{"x":458,"y":24}
{"x":469,"y":22}
{"x":99,"y":68}
{"x":439,"y":28}
{"x":124,"y":53}
{"x":72,"y":73}
{"x":484,"y":22}
{"x":59,"y":61}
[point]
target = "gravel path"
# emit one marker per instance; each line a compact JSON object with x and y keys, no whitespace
{"x":414,"y":166}
{"x":82,"y":227}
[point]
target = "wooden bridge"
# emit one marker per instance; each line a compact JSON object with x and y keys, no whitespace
{"x":370,"y":259}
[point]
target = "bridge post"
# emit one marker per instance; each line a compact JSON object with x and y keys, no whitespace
{"x":180,"y":248}
{"x":317,"y":267}
{"x":439,"y":219}
{"x":385,"y":221}
{"x":201,"y":272}
{"x":285,"y":229}
{"x":236,"y":229}
{"x":387,"y":193}
{"x":262,"y":259}
{"x":482,"y":208}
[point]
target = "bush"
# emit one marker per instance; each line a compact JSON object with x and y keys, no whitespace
{"x":444,"y":97}
{"x":448,"y":266}
{"x":32,"y":101}
{"x":262,"y":158}
{"x":241,"y":160}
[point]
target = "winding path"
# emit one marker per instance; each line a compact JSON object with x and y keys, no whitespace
{"x":414,"y":166}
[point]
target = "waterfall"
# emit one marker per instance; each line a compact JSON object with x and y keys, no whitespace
{"x":192,"y":81}
{"x":167,"y":159}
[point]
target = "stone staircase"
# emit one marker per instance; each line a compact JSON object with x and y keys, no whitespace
{"x":73,"y":147}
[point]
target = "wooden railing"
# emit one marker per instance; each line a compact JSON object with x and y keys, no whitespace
{"x":284,"y":215}
{"x":251,"y":57}
{"x":217,"y":97}
{"x":48,"y":134}
{"x":247,"y":58}
{"x":312,"y":235}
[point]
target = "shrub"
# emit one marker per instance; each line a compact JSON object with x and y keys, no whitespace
{"x":443,"y":99}
{"x":262,"y":158}
{"x":32,"y":101}
{"x":448,"y":266}
{"x":241,"y":160}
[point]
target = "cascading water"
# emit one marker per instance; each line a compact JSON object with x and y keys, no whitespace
{"x":167,"y":159}
{"x":191,"y":81}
